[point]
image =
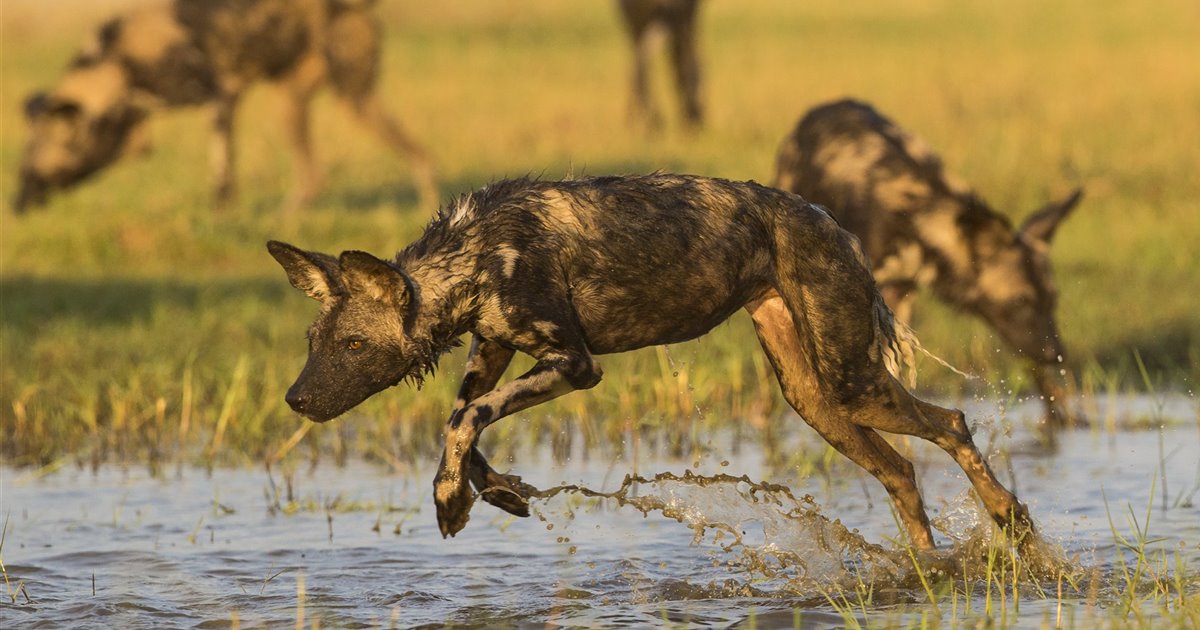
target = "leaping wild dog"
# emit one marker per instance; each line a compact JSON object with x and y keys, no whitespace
{"x":564,"y":271}
{"x":921,"y":227}
{"x":208,"y":52}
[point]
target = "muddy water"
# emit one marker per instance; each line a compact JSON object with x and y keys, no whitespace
{"x":358,"y":546}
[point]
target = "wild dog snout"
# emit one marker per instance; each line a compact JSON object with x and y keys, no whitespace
{"x":296,"y":399}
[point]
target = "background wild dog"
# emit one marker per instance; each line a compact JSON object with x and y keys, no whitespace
{"x":677,"y":20}
{"x":564,"y":271}
{"x":921,"y":227}
{"x":193,"y":52}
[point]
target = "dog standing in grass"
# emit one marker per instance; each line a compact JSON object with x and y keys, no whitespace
{"x":921,"y":227}
{"x":565,"y":271}
{"x":208,"y":52}
{"x":676,"y":19}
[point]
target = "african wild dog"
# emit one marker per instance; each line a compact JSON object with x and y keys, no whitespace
{"x":921,"y":227}
{"x":197,"y":52}
{"x":564,"y":271}
{"x":677,"y":19}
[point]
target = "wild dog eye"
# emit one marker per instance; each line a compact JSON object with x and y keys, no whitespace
{"x":354,"y":344}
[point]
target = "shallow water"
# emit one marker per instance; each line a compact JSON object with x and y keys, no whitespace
{"x":358,"y":546}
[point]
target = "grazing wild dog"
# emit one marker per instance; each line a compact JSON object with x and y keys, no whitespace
{"x":921,"y":227}
{"x":677,"y":19}
{"x":564,"y":271}
{"x":207,"y":52}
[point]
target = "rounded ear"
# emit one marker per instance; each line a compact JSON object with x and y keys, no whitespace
{"x":35,"y":105}
{"x":364,"y":273}
{"x":1041,"y":225}
{"x":316,"y":274}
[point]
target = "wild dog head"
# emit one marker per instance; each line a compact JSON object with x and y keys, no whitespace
{"x":1016,"y":292}
{"x":360,"y":342}
{"x":76,"y":129}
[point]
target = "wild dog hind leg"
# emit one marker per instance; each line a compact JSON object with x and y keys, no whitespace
{"x":686,"y":64}
{"x":789,"y":357}
{"x":353,"y":55}
{"x":298,"y":88}
{"x":222,"y":155}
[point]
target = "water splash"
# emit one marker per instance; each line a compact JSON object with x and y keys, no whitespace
{"x":783,"y":544}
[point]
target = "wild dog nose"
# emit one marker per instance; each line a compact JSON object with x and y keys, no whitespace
{"x":297,"y":401}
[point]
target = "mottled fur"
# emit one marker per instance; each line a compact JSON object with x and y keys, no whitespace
{"x":564,"y":271}
{"x":676,"y":19}
{"x":207,"y":52}
{"x":922,"y":227}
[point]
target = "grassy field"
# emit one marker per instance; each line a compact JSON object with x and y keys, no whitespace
{"x":139,"y":324}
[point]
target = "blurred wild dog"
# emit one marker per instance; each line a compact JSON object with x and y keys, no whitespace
{"x":564,"y":271}
{"x":207,"y":52}
{"x":677,"y":19}
{"x":921,"y":227}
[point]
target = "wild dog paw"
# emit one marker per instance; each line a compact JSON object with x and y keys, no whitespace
{"x":508,"y":493}
{"x":453,"y":499}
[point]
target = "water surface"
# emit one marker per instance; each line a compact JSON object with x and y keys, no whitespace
{"x":358,"y":546}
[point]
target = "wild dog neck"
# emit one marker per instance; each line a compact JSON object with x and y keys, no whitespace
{"x":442,"y":305}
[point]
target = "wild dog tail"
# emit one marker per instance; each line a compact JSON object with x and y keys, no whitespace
{"x":900,"y":344}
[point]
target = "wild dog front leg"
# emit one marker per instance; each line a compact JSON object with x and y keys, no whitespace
{"x":555,"y":374}
{"x":486,"y":363}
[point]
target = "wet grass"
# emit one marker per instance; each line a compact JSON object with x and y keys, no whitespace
{"x":138,"y":325}
{"x":1143,"y":585}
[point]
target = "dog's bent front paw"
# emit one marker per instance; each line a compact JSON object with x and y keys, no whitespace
{"x":453,"y":499}
{"x":508,"y":493}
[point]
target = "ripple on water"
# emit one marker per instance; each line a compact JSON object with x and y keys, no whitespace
{"x":686,"y":550}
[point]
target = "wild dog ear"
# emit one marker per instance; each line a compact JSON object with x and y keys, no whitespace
{"x":375,"y":278}
{"x":1040,"y":226}
{"x":314,"y":273}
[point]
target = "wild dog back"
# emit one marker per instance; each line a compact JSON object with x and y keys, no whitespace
{"x":640,"y":260}
{"x":921,"y":226}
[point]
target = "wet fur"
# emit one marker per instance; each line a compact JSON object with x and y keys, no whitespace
{"x":565,"y":271}
{"x":922,"y":227}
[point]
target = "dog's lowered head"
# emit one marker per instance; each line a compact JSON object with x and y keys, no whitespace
{"x":1013,"y":286}
{"x":361,"y":342}
{"x":76,"y":129}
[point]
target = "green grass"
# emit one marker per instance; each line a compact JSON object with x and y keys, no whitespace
{"x":139,"y":324}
